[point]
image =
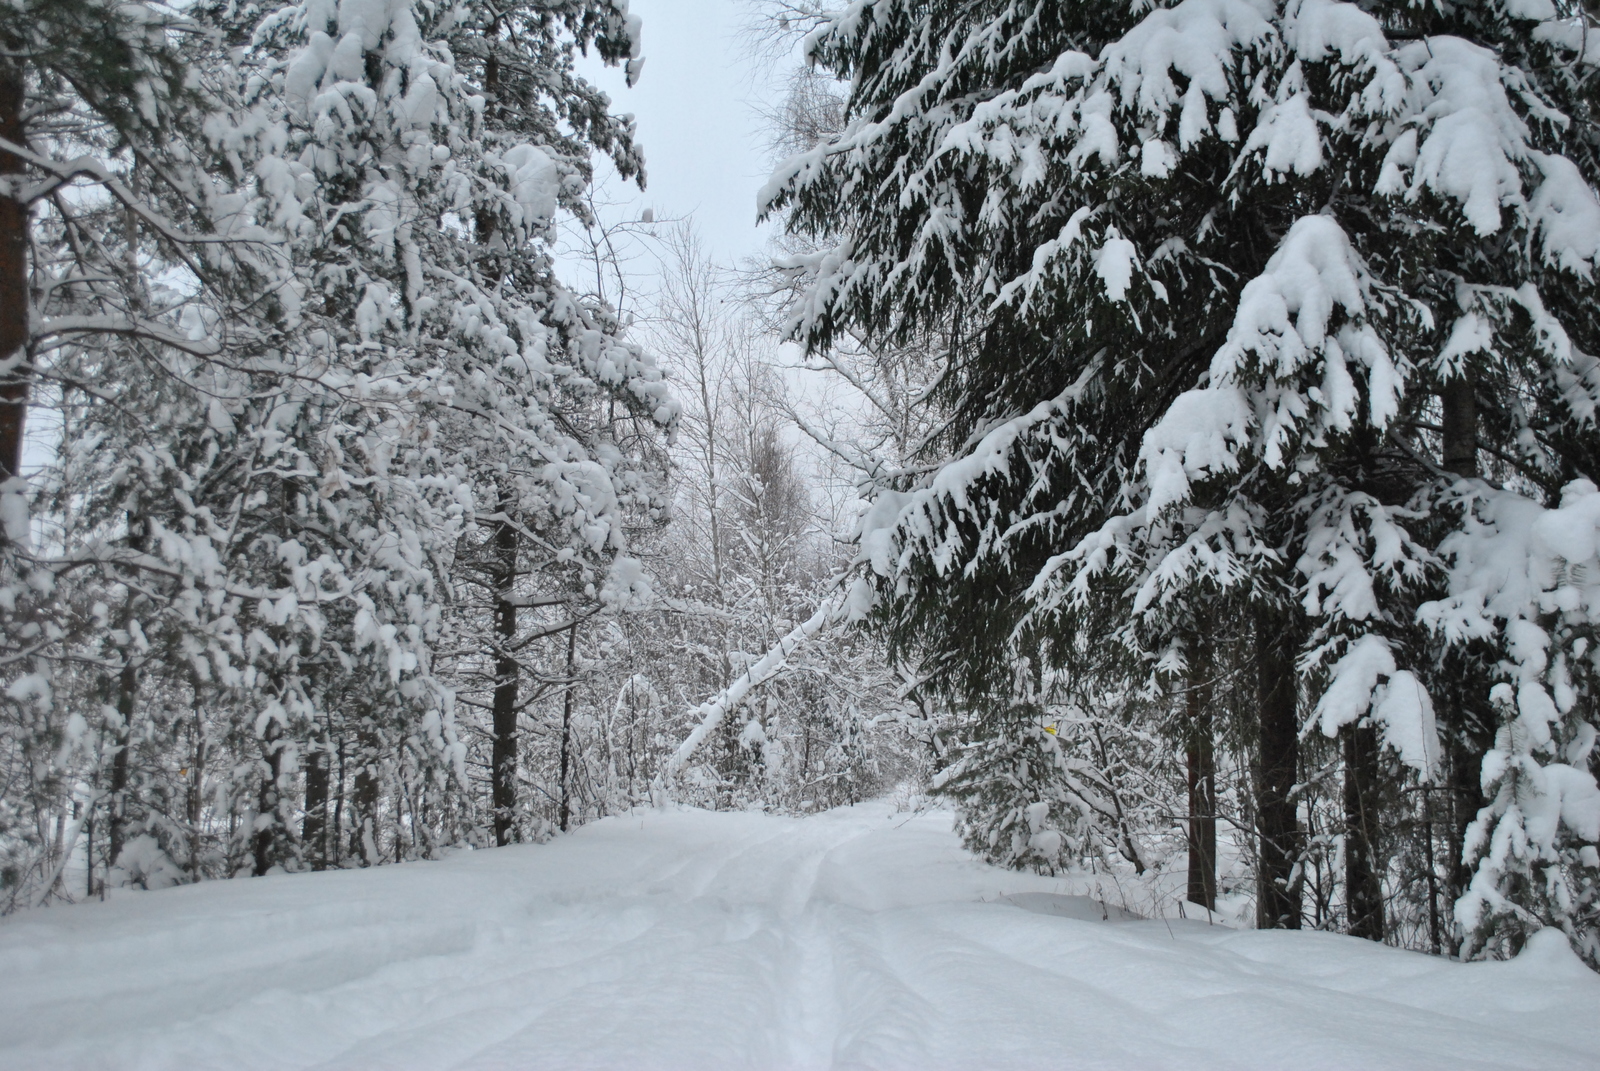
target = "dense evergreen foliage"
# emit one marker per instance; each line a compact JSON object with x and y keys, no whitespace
{"x":1221,"y":388}
{"x":332,"y":544}
{"x":1265,"y":329}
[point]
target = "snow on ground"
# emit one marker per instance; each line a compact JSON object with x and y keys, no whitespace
{"x":861,"y":938}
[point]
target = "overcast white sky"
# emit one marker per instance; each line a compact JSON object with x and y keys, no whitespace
{"x":704,"y":150}
{"x":707,"y":156}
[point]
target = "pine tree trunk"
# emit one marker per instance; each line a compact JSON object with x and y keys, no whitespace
{"x":194,"y":790}
{"x":127,"y":695}
{"x":566,"y":730}
{"x":14,"y":367}
{"x":1200,"y":753}
{"x":1464,"y":752}
{"x":399,"y":824}
{"x":336,"y":834}
{"x":117,"y":815}
{"x":365,"y":799}
{"x":1459,"y":404}
{"x":268,"y":821}
{"x":503,"y":775}
{"x":1277,"y":824}
{"x":314,"y":829}
{"x":88,"y":844}
{"x":1363,"y":877}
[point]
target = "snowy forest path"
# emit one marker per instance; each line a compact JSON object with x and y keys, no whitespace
{"x":860,"y":938}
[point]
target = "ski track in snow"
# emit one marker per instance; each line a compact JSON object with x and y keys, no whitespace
{"x":673,"y":940}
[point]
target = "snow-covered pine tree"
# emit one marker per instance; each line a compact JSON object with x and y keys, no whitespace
{"x":302,"y":368}
{"x":131,"y":262}
{"x":1236,"y":295}
{"x":429,"y":147}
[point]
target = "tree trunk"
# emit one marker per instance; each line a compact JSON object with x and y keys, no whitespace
{"x":88,"y":841}
{"x":1435,"y":941}
{"x":1277,"y":824}
{"x":337,"y":832}
{"x":503,"y":775}
{"x":366,"y":792}
{"x":566,"y":730}
{"x":269,"y":822}
{"x":1458,"y":400}
{"x":1363,"y":877}
{"x":1464,"y":747}
{"x":127,"y":696}
{"x":314,"y":829}
{"x":399,"y":823}
{"x":117,"y":815}
{"x":194,"y":791}
{"x":14,"y":367}
{"x":1200,"y":753}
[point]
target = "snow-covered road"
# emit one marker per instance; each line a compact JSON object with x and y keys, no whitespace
{"x":855,"y":939}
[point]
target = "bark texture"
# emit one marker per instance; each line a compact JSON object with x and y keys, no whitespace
{"x":314,"y":829}
{"x":566,"y":729}
{"x":1362,"y":862}
{"x":264,"y":843}
{"x":1200,"y":753}
{"x":13,"y":276}
{"x":1466,"y":736}
{"x":365,"y":796}
{"x":1277,"y":824}
{"x":507,"y":682}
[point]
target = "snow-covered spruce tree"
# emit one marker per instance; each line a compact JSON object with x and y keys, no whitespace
{"x":1238,"y":296}
{"x":1053,"y":775}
